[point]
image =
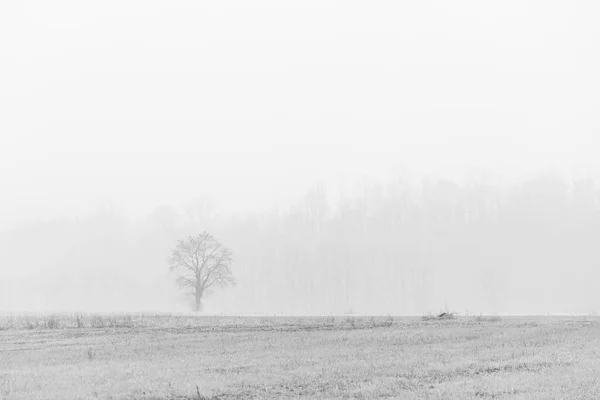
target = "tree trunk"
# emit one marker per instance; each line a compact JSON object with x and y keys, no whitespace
{"x":198,"y":295}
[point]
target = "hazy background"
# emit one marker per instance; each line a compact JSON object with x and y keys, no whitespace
{"x":455,"y":144}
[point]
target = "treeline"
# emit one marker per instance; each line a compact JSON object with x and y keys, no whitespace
{"x":397,"y":247}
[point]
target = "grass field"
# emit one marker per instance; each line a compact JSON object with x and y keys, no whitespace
{"x":181,"y":357}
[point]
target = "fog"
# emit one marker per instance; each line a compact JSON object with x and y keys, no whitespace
{"x":389,"y":157}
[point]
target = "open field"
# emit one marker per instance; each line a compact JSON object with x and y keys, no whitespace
{"x":162,"y":357}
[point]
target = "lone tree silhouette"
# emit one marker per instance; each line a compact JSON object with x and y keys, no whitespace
{"x":203,"y":264}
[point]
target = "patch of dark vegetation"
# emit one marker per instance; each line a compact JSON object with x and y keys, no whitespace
{"x":298,"y":388}
{"x":446,"y":315}
{"x":441,"y":316}
{"x":492,"y":318}
{"x":67,"y":321}
{"x":194,"y":323}
{"x":495,"y":395}
{"x":194,"y":397}
{"x":519,"y":367}
{"x":437,"y":377}
{"x":52,"y":322}
{"x":228,"y":370}
{"x":350,"y":323}
{"x":197,"y":396}
{"x":113,"y":321}
{"x":389,"y":321}
{"x":295,"y":389}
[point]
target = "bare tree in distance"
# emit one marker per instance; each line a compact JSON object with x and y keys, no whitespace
{"x":203,"y":264}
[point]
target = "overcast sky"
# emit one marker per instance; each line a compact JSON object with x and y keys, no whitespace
{"x":141,"y":103}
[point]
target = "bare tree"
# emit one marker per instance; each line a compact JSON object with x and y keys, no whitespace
{"x":203,"y":264}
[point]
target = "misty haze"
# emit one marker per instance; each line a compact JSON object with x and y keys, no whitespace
{"x":385,"y":248}
{"x":399,"y":172}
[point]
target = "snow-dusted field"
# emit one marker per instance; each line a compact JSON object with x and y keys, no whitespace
{"x":136,"y":356}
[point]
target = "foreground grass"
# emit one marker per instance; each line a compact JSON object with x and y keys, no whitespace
{"x":140,"y":357}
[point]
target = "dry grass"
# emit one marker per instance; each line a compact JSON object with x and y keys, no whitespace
{"x":180,"y":357}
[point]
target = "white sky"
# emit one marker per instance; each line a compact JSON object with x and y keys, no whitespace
{"x":146,"y":102}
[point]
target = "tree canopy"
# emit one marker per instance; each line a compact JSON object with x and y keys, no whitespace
{"x":203,"y":264}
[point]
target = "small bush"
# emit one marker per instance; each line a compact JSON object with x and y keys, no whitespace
{"x":351,"y":321}
{"x":446,"y":315}
{"x":441,"y":316}
{"x":53,"y":322}
{"x":389,"y":321}
{"x":428,"y":317}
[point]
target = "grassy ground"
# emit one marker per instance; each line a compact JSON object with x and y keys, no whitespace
{"x":141,"y":357}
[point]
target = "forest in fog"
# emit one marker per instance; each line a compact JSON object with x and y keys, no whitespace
{"x":395,"y":246}
{"x":185,"y":117}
